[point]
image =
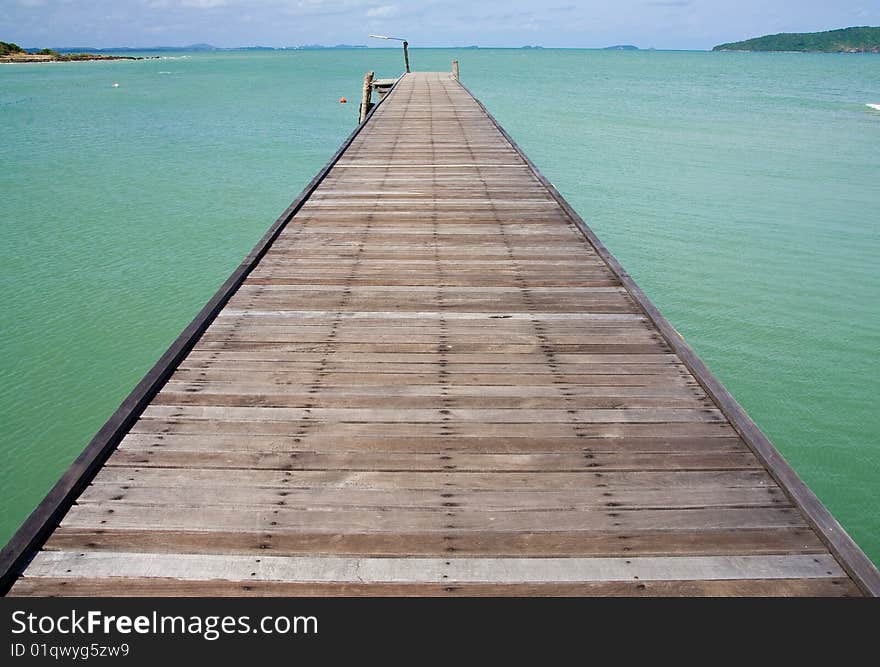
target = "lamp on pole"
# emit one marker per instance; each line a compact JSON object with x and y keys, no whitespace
{"x":405,"y":45}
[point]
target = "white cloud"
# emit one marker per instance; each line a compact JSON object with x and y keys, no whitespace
{"x":196,"y":4}
{"x":204,"y":4}
{"x":382,"y":11}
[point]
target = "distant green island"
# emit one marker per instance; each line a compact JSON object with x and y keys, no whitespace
{"x":863,"y":39}
{"x":13,"y":53}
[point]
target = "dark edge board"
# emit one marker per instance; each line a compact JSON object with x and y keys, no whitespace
{"x":36,"y":529}
{"x":853,"y":560}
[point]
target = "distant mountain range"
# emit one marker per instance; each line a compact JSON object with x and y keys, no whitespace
{"x":321,"y":46}
{"x":201,"y":47}
{"x":863,"y":39}
{"x":126,"y":49}
{"x":301,"y":47}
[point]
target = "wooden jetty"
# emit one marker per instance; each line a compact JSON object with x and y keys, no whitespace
{"x":431,"y":378}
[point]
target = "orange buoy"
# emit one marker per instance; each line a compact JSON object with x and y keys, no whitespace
{"x":342,"y":100}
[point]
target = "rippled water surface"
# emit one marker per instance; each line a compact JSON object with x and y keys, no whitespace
{"x":742,"y":191}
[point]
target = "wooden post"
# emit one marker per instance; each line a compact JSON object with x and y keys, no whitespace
{"x":367,"y":99}
{"x":455,"y":70}
{"x":406,"y":55}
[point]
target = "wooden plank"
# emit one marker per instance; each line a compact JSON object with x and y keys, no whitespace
{"x":706,"y":542}
{"x":216,"y":396}
{"x":430,"y":443}
{"x":388,"y":520}
{"x":576,"y":359}
{"x":156,"y":586}
{"x":489,"y":416}
{"x":431,"y":570}
{"x":513,"y":501}
{"x":377,"y":429}
{"x":485,"y":315}
{"x":408,"y":461}
{"x":392,"y":387}
{"x":447,"y":480}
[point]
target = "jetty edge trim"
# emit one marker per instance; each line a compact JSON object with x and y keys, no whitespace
{"x":36,"y":529}
{"x":850,"y":556}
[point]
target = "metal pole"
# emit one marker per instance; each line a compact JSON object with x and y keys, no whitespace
{"x":405,"y":47}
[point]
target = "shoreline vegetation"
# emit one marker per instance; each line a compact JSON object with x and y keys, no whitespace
{"x":13,"y":53}
{"x":862,"y":39}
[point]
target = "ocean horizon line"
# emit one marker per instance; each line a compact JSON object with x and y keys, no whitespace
{"x":343,"y":47}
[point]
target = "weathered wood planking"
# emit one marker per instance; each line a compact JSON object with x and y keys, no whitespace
{"x":434,"y":381}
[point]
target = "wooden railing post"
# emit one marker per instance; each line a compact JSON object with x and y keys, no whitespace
{"x":367,"y":99}
{"x":455,"y":70}
{"x":406,"y":55}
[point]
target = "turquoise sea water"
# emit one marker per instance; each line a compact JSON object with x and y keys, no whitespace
{"x":742,"y":191}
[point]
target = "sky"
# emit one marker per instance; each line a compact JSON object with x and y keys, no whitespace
{"x":662,"y":24}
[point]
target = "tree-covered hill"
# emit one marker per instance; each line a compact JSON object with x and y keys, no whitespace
{"x":7,"y":48}
{"x":862,"y":39}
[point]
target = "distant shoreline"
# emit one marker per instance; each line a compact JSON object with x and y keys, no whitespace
{"x":64,"y":58}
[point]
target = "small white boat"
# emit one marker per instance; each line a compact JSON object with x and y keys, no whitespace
{"x":876,"y":107}
{"x":116,"y":85}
